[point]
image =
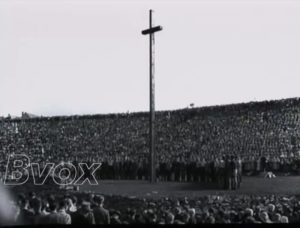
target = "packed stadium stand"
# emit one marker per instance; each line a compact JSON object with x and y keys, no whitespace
{"x":192,"y":145}
{"x":183,"y":137}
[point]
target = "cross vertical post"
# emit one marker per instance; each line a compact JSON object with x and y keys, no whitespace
{"x":150,"y":32}
{"x":152,"y":104}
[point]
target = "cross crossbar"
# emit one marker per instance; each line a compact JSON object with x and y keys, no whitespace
{"x":152,"y":30}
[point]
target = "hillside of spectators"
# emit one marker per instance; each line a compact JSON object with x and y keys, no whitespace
{"x":193,"y":136}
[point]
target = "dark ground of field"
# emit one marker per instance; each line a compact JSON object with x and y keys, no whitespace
{"x":250,"y":185}
{"x":289,"y":185}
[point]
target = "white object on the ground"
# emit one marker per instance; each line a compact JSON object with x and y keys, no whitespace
{"x":270,"y":175}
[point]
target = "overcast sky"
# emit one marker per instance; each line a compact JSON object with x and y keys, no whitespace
{"x":62,"y":57}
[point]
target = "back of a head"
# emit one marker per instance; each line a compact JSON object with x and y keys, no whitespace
{"x":69,"y":202}
{"x":52,"y":203}
{"x":22,"y":201}
{"x":211,"y":219}
{"x":271,"y":208}
{"x":284,"y":219}
{"x":99,"y":199}
{"x":185,"y":217}
{"x":192,"y":211}
{"x":31,"y":195}
{"x":36,"y":204}
{"x":85,"y":206}
{"x":249,"y":212}
{"x":264,"y":216}
{"x":169,"y":218}
{"x":63,"y":204}
{"x":74,"y":199}
{"x":277,"y":217}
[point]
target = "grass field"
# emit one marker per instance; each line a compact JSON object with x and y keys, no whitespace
{"x":250,"y":185}
{"x":289,"y":185}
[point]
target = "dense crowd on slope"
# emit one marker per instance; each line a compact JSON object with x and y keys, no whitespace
{"x":188,"y":141}
{"x":88,"y":208}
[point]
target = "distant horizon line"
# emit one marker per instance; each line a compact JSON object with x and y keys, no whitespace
{"x":190,"y":106}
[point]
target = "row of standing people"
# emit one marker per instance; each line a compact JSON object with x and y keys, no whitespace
{"x":226,"y":172}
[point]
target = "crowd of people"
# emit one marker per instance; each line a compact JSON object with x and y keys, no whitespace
{"x":89,"y":208}
{"x":190,"y":143}
{"x":211,"y":145}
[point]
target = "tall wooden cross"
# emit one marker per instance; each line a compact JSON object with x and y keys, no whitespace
{"x":150,"y":31}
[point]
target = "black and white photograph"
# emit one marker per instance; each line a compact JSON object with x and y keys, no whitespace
{"x":149,"y":112}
